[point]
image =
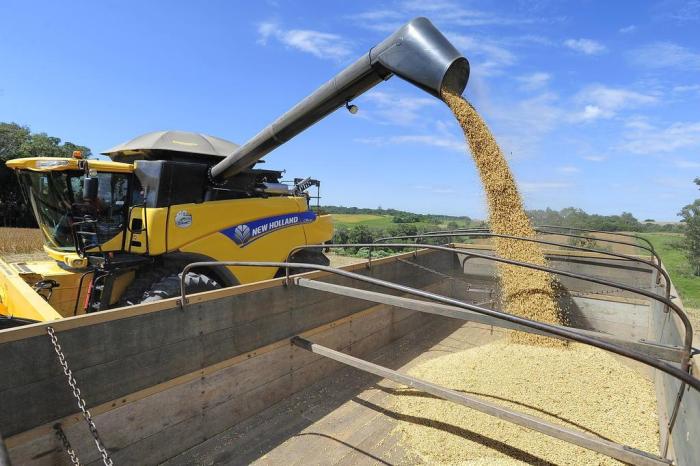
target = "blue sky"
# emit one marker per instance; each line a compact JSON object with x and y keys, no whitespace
{"x":597,"y":104}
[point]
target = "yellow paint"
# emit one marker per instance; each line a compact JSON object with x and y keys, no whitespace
{"x":18,"y":299}
{"x":322,"y":230}
{"x":203,"y":235}
{"x":121,"y":283}
{"x":44,"y":164}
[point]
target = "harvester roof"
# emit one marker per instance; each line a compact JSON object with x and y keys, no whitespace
{"x":161,"y":145}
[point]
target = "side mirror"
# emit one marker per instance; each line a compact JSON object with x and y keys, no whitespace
{"x":90,"y":184}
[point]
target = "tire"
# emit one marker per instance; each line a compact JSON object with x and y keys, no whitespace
{"x":169,"y":287}
{"x":306,"y":256}
{"x":311,"y":256}
{"x":144,"y":280}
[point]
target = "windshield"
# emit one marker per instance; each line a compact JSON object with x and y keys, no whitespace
{"x":57,"y":200}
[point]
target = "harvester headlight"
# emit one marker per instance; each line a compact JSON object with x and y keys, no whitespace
{"x":351,"y":107}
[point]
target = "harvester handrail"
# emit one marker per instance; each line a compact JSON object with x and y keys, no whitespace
{"x":688,"y":328}
{"x":653,"y":264}
{"x":679,"y":373}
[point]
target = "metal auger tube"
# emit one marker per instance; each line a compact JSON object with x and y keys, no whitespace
{"x":417,"y":53}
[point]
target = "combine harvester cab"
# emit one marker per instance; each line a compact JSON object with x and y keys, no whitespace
{"x":271,"y":371}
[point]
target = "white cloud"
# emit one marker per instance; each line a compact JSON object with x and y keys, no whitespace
{"x":666,"y":55}
{"x":682,"y":163}
{"x":638,"y":122}
{"x":531,"y":187}
{"x":590,"y":112}
{"x":445,"y":136}
{"x":600,"y":101}
{"x":586,"y":46}
{"x":397,"y":109}
{"x":682,"y":11}
{"x":687,"y":88}
{"x":569,"y":169}
{"x":487,"y":56}
{"x":653,"y":140}
{"x":320,"y":44}
{"x":443,"y":12}
{"x":450,"y":12}
{"x":594,"y":158}
{"x":628,"y":29}
{"x":520,"y":126}
{"x":534,"y":81}
{"x":434,"y":140}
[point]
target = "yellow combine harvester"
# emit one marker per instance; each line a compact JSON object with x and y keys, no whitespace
{"x":121,"y":231}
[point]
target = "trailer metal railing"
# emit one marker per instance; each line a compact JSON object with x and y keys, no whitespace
{"x":688,"y":328}
{"x":615,"y":450}
{"x":541,"y":230}
{"x":681,"y":374}
{"x":615,"y":233}
{"x":659,"y":268}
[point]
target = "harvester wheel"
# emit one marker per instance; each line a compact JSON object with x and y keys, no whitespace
{"x":306,"y":256}
{"x":169,"y":287}
{"x":145,"y":278}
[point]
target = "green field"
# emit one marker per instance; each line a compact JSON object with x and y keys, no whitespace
{"x":669,"y":247}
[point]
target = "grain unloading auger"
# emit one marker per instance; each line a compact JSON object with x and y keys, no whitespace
{"x":121,"y":231}
{"x":417,"y":53}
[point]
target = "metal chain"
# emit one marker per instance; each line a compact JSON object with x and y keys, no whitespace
{"x":66,"y":444}
{"x":76,"y":393}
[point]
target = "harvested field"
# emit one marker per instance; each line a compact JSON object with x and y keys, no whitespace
{"x":341,"y":261}
{"x":17,"y":244}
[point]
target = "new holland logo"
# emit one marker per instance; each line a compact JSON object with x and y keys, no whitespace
{"x":246,"y":233}
{"x":241,"y":233}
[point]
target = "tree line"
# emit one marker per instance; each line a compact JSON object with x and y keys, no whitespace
{"x":17,"y":141}
{"x":691,"y":218}
{"x":578,"y":218}
{"x":410,"y":224}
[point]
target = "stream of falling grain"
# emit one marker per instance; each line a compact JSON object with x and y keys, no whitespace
{"x":579,"y":386}
{"x":524,"y":292}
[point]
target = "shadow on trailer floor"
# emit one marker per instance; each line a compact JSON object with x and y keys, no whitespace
{"x":344,"y":419}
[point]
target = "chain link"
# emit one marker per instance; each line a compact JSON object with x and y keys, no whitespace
{"x":66,"y":444}
{"x":76,"y":393}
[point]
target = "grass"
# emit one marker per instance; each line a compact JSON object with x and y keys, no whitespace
{"x":358,"y":218}
{"x":670,"y":249}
